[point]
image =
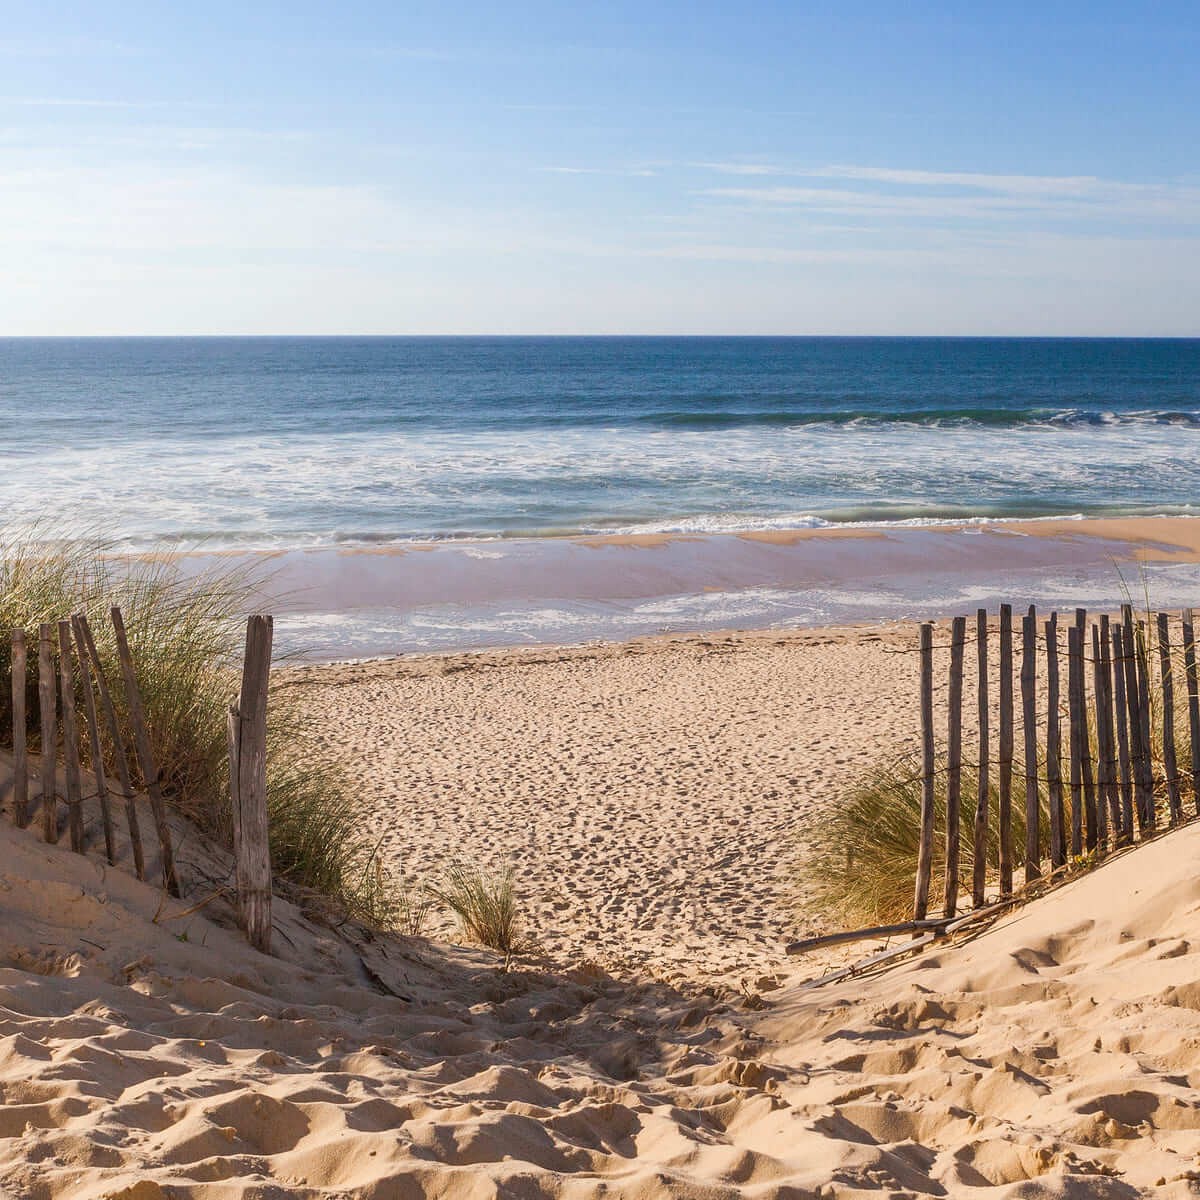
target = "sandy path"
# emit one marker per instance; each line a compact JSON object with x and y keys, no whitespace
{"x":653,"y":795}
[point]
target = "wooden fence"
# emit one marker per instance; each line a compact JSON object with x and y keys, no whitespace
{"x":1126,"y":775}
{"x":74,"y":695}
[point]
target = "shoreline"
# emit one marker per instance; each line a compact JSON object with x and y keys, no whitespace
{"x":350,"y":604}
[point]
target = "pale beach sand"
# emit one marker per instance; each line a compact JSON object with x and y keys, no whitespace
{"x":146,"y":1053}
{"x":653,"y":795}
{"x":656,"y":797}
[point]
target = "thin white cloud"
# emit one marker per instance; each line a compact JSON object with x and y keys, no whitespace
{"x":76,"y":102}
{"x":628,"y":172}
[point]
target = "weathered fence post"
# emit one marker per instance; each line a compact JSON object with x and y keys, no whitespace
{"x":1103,"y":715}
{"x":145,"y":753}
{"x":1054,"y":788}
{"x":1075,"y":702}
{"x":20,"y":759}
{"x":1033,"y":847}
{"x":1143,"y":685}
{"x":97,"y":749}
{"x":1102,"y":642}
{"x":1085,"y":762}
{"x":979,"y":868}
{"x":1004,"y":805}
{"x":248,"y":784}
{"x":1142,"y":779}
{"x":958,"y":640}
{"x":87,"y":648}
{"x":48,"y":712}
{"x":1193,"y":692}
{"x":1170,"y":763}
{"x":71,"y":771}
{"x":1122,"y":713}
{"x":925,"y":845}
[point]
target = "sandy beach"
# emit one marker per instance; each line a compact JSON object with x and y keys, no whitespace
{"x":656,"y":799}
{"x":654,"y":796}
{"x":147,"y":1053}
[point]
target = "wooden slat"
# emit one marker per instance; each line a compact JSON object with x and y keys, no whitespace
{"x":1103,"y":716}
{"x":1115,"y":813}
{"x":1137,"y":751}
{"x":48,"y":714}
{"x":71,"y":768}
{"x":1075,"y":704}
{"x":1033,"y":810}
{"x":1004,"y":799}
{"x":87,"y":647}
{"x":145,"y":753}
{"x":250,"y":797}
{"x":1167,"y":680}
{"x":1193,"y":694}
{"x":980,"y":839}
{"x":1054,"y":782}
{"x":925,"y":842}
{"x":1087,"y":773}
{"x":958,"y":640}
{"x":1141,"y":653}
{"x":94,"y":742}
{"x":1121,"y":713}
{"x":20,"y":680}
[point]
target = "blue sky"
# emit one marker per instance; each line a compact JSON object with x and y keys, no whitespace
{"x":617,"y":168}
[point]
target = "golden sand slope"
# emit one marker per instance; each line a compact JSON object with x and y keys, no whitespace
{"x":145,"y":1054}
{"x":652,"y":793}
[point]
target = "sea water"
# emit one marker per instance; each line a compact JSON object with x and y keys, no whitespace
{"x":334,"y":443}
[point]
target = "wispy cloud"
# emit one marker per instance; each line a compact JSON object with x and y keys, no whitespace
{"x":962,"y":195}
{"x":76,"y":102}
{"x":628,"y":172}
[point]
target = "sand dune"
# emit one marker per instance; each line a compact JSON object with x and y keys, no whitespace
{"x":147,"y":1054}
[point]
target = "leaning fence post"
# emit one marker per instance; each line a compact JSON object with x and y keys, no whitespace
{"x":1193,"y":693}
{"x":20,"y":759}
{"x":1109,"y":743}
{"x":1138,"y":747}
{"x":925,"y":845}
{"x":1033,"y":849}
{"x":1103,"y":718}
{"x":48,"y":706}
{"x":1085,"y":744}
{"x":87,"y":648}
{"x":97,"y":749}
{"x":248,"y":785}
{"x":958,"y":640}
{"x":1122,"y":713}
{"x":979,"y":864}
{"x":71,"y":772}
{"x":1054,"y":787}
{"x":1004,"y":807}
{"x":1170,"y":763}
{"x":1075,"y":701}
{"x":145,"y":753}
{"x":1143,"y":683}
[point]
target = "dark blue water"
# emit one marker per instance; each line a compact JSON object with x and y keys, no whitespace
{"x":309,"y":441}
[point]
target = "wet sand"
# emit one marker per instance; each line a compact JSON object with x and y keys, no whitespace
{"x":359,"y":602}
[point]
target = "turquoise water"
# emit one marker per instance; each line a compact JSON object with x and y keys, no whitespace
{"x":294,"y":442}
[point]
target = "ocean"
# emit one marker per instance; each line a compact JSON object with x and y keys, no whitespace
{"x":283,"y":442}
{"x":332,"y":444}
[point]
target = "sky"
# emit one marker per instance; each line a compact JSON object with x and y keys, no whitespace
{"x":654,"y":168}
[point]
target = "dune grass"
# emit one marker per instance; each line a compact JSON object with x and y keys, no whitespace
{"x":485,"y":904}
{"x":186,"y":635}
{"x":863,"y":871}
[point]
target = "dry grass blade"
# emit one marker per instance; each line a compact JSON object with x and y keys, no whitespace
{"x":186,"y":636}
{"x":485,"y":904}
